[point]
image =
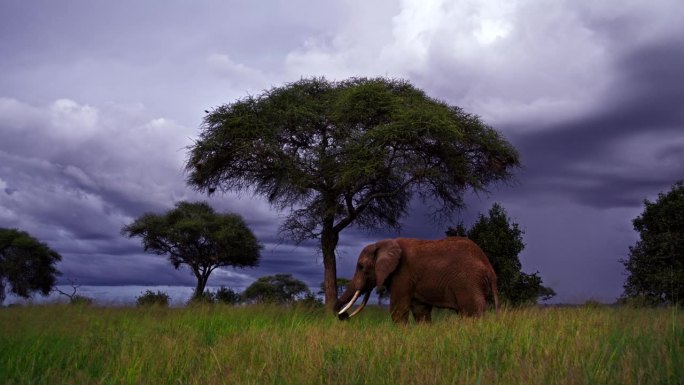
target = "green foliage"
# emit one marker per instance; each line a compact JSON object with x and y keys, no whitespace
{"x":592,"y":303}
{"x":348,"y":152}
{"x":206,"y":298}
{"x":80,"y":300}
{"x":310,"y":300}
{"x":193,"y":234}
{"x":501,"y":239}
{"x":227,"y":296}
{"x":26,"y":264}
{"x":279,"y":288}
{"x":637,"y":301}
{"x":656,"y":262}
{"x":341,"y":286}
{"x":299,"y":345}
{"x":150,"y":298}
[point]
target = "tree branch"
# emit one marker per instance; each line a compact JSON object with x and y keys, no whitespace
{"x":353,"y":213}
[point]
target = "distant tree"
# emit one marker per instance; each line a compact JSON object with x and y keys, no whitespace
{"x":74,"y":298}
{"x":353,"y":152}
{"x":207,"y":298}
{"x":501,"y":239}
{"x":227,"y":296}
{"x":656,"y":262}
{"x":341,"y":286}
{"x":150,"y":298}
{"x":26,"y":264}
{"x":310,"y":300}
{"x":279,"y":288}
{"x":193,"y":234}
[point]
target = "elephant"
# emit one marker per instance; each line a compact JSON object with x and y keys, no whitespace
{"x":421,"y":274}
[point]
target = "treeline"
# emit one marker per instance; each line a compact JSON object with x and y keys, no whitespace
{"x":193,"y":234}
{"x":280,"y":289}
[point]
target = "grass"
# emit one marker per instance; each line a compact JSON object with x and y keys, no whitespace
{"x":272,"y":345}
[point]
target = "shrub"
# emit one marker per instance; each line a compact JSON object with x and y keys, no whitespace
{"x":80,"y":300}
{"x":592,"y":303}
{"x":150,"y":298}
{"x":637,"y":301}
{"x":310,"y":300}
{"x":207,"y":298}
{"x":227,"y":296}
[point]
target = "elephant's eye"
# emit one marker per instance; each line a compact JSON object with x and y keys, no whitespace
{"x":359,"y":266}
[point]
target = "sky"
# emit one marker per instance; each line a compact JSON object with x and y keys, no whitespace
{"x":99,"y":101}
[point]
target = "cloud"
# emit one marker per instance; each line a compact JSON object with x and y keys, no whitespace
{"x":616,"y":155}
{"x":95,"y":116}
{"x":73,"y":174}
{"x":237,"y":74}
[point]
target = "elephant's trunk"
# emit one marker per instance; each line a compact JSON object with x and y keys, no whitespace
{"x":350,"y":303}
{"x":344,"y":299}
{"x":342,"y":314}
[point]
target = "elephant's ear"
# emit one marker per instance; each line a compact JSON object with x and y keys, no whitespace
{"x":387,"y":260}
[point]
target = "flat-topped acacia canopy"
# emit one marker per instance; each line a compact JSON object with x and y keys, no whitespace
{"x":337,"y":153}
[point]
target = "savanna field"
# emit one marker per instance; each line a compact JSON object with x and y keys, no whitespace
{"x":62,"y":344}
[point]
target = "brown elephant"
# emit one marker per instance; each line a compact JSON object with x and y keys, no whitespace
{"x":449,"y":273}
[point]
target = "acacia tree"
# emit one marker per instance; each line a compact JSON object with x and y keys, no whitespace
{"x":656,"y":262}
{"x":279,"y":288}
{"x":501,"y":239}
{"x":349,"y":152}
{"x":26,"y":264}
{"x":193,"y":234}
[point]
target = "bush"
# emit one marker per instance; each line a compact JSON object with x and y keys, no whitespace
{"x":207,"y":298}
{"x":592,"y":303}
{"x":638,"y":301}
{"x":227,"y":296}
{"x":150,"y":298}
{"x":80,"y":300}
{"x":310,"y":300}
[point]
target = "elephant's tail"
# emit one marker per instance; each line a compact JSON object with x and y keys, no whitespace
{"x":495,"y":294}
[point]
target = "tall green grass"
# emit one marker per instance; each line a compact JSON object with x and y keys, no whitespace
{"x":272,"y":345}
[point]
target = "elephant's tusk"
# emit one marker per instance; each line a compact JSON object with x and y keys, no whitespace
{"x":363,"y":304}
{"x":350,"y":303}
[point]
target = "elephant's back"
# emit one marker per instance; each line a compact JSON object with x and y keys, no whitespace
{"x":442,"y":253}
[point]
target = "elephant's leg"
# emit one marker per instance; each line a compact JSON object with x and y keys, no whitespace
{"x":400,"y":313}
{"x":399,"y":307}
{"x":472,"y":304}
{"x":422,"y":312}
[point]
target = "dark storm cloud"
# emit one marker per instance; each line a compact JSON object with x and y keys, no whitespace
{"x":99,"y":100}
{"x":641,"y":124}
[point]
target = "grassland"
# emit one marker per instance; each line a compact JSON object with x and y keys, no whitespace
{"x":271,"y":345}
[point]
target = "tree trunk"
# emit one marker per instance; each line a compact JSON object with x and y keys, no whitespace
{"x":329,"y":239}
{"x":2,"y":290}
{"x":201,"y":284}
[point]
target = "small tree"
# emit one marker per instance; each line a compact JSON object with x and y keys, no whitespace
{"x":150,"y":298}
{"x":74,"y":298}
{"x":501,"y":239}
{"x":279,"y":288}
{"x":26,"y":265}
{"x":656,"y":262}
{"x":193,"y":234}
{"x":227,"y":296}
{"x":353,"y":152}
